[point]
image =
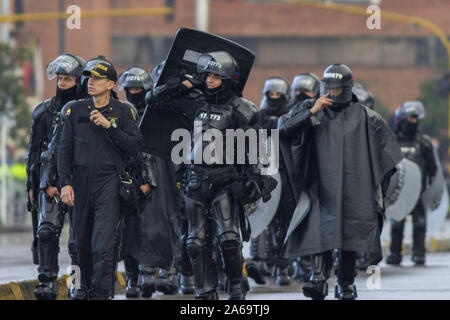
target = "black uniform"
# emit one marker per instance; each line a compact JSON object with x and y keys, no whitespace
{"x":87,"y":151}
{"x":349,"y":154}
{"x":269,"y":112}
{"x":418,"y":148}
{"x":46,"y":116}
{"x":51,"y":218}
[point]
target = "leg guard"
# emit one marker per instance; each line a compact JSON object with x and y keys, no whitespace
{"x":321,"y":265}
{"x":50,"y":225}
{"x":132,"y":271}
{"x":395,"y":249}
{"x":186,"y":284}
{"x":205,"y":275}
{"x":347,"y":267}
{"x":419,"y":231}
{"x":48,"y":239}
{"x":232,"y":255}
{"x":203,"y":265}
{"x":345,"y":289}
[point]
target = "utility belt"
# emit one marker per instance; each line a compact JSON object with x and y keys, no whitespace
{"x":214,"y":176}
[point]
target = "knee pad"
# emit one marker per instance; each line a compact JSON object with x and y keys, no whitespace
{"x":46,"y":233}
{"x":230,"y":246}
{"x":194,"y":247}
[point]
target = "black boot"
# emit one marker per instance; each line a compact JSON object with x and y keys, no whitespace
{"x":166,"y":282}
{"x":345,"y":292}
{"x":147,"y":281}
{"x":418,"y":259}
{"x":345,"y":289}
{"x":132,"y":289}
{"x":211,"y":295}
{"x":317,"y":287}
{"x":254,"y":272}
{"x":281,"y":276}
{"x":46,"y":291}
{"x":186,"y":284}
{"x":237,"y":289}
{"x":394,"y":259}
{"x":395,"y":256}
{"x":80,"y":294}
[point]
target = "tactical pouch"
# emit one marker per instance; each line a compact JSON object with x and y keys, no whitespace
{"x":128,"y":194}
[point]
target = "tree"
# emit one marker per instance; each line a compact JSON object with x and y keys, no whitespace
{"x":13,"y":103}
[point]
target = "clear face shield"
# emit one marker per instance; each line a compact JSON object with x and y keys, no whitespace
{"x":339,"y":92}
{"x":135,"y":77}
{"x":277,"y":85}
{"x":64,"y":64}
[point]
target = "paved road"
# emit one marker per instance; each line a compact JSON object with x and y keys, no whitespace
{"x":405,"y":282}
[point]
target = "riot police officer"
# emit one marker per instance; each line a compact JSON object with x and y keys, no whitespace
{"x":136,"y":81}
{"x":273,"y":105}
{"x":342,"y":151}
{"x":418,"y":148}
{"x":214,"y":194}
{"x":304,"y":86}
{"x":67,"y":68}
{"x":208,"y":186}
{"x":364,"y":96}
{"x":99,"y":135}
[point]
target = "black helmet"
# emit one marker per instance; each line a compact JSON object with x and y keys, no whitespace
{"x":410,"y":109}
{"x":220,"y":63}
{"x":338,"y":76}
{"x":65,"y":64}
{"x":135,"y":77}
{"x":364,"y":96}
{"x":305,"y":82}
{"x":278,"y":84}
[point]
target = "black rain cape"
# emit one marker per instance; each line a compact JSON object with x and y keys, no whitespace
{"x":340,"y":159}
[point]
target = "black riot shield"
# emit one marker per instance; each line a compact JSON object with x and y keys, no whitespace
{"x":187,"y":47}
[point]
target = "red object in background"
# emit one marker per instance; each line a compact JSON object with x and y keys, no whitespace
{"x":28,"y":77}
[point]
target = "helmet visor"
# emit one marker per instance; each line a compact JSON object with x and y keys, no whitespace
{"x":135,"y":77}
{"x":278,"y":85}
{"x":339,"y":92}
{"x":64,"y":64}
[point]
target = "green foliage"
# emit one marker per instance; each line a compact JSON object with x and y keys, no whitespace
{"x":435,"y":123}
{"x":12,"y":98}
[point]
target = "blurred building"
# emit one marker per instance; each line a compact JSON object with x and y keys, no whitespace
{"x":286,"y":38}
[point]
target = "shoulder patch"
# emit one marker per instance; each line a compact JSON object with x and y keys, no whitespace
{"x":132,"y":109}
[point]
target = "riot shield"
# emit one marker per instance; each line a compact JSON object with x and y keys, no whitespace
{"x":404,"y":190}
{"x":435,"y":198}
{"x":190,"y":44}
{"x":261,"y":216}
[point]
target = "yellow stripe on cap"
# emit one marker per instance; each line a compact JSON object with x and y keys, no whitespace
{"x":95,"y":73}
